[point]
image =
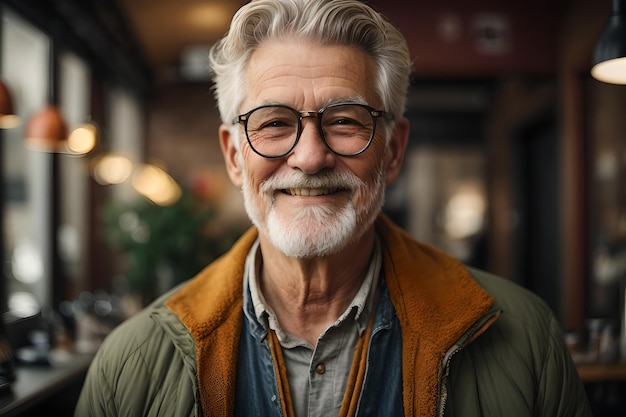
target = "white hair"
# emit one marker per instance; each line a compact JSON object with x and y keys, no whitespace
{"x":340,"y":22}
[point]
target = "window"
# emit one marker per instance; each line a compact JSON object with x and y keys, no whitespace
{"x":27,"y":194}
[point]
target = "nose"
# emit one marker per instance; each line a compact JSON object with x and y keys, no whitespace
{"x":311,"y":155}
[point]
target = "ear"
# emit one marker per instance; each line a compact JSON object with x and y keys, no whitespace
{"x":231,"y":157}
{"x":394,"y":154}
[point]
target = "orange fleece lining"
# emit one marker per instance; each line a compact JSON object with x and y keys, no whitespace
{"x":435,"y":297}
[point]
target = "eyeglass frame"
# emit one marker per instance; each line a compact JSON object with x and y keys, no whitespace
{"x":374,"y":113}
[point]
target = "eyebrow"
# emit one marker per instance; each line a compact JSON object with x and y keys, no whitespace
{"x":334,"y":100}
{"x":347,"y":100}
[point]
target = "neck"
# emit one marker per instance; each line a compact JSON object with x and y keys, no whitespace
{"x":308,"y":295}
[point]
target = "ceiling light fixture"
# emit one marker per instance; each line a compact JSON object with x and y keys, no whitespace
{"x":83,"y":139}
{"x":46,"y":130}
{"x":112,"y":168}
{"x":609,"y":55}
{"x":156,"y":184}
{"x":8,"y":118}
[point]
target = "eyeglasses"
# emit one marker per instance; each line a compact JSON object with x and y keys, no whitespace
{"x":273,"y":131}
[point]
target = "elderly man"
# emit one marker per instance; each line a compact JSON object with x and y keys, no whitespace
{"x":325,"y":308}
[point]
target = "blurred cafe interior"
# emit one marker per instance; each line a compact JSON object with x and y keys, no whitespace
{"x":113,"y":186}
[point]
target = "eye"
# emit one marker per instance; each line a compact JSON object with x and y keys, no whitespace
{"x":339,"y":123}
{"x":347,"y":116}
{"x":338,"y":120}
{"x":271,"y":119}
{"x":275,"y":123}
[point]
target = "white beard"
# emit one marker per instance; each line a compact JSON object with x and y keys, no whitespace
{"x":318,"y":230}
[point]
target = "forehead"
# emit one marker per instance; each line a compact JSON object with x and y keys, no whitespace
{"x":308,"y":75}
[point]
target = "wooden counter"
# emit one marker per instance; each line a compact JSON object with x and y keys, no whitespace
{"x":609,"y":372}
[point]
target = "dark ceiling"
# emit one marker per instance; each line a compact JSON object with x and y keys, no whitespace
{"x":141,"y":41}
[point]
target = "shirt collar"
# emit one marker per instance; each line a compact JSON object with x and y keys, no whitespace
{"x":359,"y":309}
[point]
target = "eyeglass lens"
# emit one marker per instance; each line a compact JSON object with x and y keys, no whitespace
{"x":273,"y":131}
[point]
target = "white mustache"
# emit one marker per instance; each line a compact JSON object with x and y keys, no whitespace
{"x":297,"y":183}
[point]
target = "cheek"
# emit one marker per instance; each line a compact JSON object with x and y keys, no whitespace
{"x":369,"y":171}
{"x":376,"y":152}
{"x":368,"y":165}
{"x":385,"y":157}
{"x":256,"y":169}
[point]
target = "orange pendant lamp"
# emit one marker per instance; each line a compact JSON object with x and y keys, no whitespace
{"x":46,"y":130}
{"x":8,"y":118}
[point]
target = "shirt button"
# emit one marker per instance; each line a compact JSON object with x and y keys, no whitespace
{"x":320,"y":368}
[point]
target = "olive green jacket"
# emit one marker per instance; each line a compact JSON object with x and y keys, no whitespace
{"x":472,"y":344}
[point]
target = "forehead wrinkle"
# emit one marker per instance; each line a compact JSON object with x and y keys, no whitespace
{"x":344,"y":69}
{"x":305,"y":80}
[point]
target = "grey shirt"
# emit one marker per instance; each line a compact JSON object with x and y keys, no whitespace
{"x":318,"y":374}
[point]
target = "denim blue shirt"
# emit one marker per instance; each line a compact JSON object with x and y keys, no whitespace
{"x":257,"y":390}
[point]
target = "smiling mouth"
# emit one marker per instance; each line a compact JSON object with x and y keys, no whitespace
{"x":310,"y":192}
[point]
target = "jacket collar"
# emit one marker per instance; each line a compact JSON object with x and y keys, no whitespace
{"x":433,"y":294}
{"x":436,"y":300}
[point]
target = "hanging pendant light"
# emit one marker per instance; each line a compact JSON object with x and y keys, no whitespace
{"x":8,"y":118}
{"x":156,"y":184}
{"x":46,"y":130}
{"x":83,"y":139}
{"x":609,"y":55}
{"x":111,"y":168}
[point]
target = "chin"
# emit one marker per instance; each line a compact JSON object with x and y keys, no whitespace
{"x":316,"y":231}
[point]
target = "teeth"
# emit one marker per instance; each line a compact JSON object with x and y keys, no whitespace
{"x":310,"y":192}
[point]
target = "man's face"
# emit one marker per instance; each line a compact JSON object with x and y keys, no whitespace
{"x":311,"y":202}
